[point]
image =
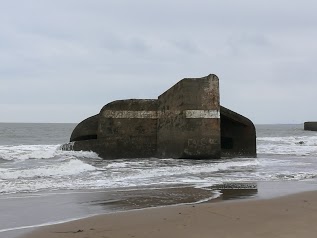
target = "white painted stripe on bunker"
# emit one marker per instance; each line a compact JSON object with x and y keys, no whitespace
{"x":130,"y":114}
{"x":202,"y":114}
{"x":155,"y":114}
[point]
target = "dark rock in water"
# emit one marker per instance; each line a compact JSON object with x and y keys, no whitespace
{"x":310,"y":126}
{"x":186,"y":121}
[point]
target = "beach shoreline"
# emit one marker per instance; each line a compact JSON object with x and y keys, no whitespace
{"x":45,"y":209}
{"x":26,"y":213}
{"x":288,"y":216}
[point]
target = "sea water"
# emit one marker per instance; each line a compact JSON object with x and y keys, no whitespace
{"x":34,"y":171}
{"x":31,"y":161}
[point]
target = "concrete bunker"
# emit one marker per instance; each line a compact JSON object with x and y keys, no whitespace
{"x":310,"y":126}
{"x":186,"y":121}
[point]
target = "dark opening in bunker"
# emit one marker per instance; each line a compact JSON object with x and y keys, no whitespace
{"x":85,"y":137}
{"x":226,"y":143}
{"x":237,"y":134}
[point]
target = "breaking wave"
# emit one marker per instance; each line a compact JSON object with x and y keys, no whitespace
{"x":52,"y":174}
{"x":66,"y":168}
{"x":288,"y":145}
{"x":31,"y":168}
{"x":25,"y":152}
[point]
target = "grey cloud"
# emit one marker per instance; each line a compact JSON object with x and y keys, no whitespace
{"x":87,"y":53}
{"x":249,"y":44}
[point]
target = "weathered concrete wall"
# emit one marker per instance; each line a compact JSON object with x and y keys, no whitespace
{"x":238,"y":136}
{"x":189,"y":124}
{"x":86,"y":130}
{"x":127,"y":129}
{"x":310,"y":126}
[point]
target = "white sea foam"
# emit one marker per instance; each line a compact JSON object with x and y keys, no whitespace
{"x":289,"y":176}
{"x":297,"y":176}
{"x":29,"y":168}
{"x":77,"y":174}
{"x":307,"y":140}
{"x":24,"y":152}
{"x":173,"y":174}
{"x":68,"y":168}
{"x":289,"y":145}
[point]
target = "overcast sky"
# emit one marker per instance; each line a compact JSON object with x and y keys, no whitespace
{"x":62,"y":60}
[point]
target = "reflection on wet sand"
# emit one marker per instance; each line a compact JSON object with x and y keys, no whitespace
{"x":138,"y":199}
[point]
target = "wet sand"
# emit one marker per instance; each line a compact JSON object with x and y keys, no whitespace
{"x":288,"y":216}
{"x":21,"y":213}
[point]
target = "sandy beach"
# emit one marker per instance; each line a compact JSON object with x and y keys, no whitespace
{"x":288,"y":216}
